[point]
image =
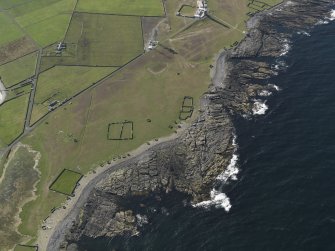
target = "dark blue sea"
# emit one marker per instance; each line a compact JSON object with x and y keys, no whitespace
{"x":284,"y":198}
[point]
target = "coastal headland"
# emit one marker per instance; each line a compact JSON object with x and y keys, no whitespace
{"x":93,"y":126}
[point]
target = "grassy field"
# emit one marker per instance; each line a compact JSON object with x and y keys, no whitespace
{"x":66,"y":182}
{"x":117,"y":40}
{"x":188,"y":10}
{"x":6,"y":4}
{"x":24,"y":248}
{"x":12,"y":116}
{"x":62,"y":82}
{"x":48,"y":24}
{"x":16,"y":187}
{"x":123,"y":7}
{"x":18,"y":70}
{"x":9,"y":31}
{"x":16,"y":49}
{"x":17,"y":91}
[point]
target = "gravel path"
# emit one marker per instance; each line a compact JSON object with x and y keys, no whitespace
{"x":219,"y":72}
{"x":2,"y":92}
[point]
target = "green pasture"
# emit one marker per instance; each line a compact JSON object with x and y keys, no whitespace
{"x":29,"y":6}
{"x":9,"y":31}
{"x":62,"y":82}
{"x":17,"y":91}
{"x":66,"y":182}
{"x":188,"y":10}
{"x":100,"y":40}
{"x":48,"y":24}
{"x":259,"y":5}
{"x":6,"y":4}
{"x":122,"y":7}
{"x":24,"y":248}
{"x":18,"y":70}
{"x":12,"y":115}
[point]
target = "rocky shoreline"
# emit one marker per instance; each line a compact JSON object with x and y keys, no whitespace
{"x":191,"y":163}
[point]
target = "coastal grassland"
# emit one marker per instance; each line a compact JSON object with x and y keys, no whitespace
{"x":17,"y":188}
{"x":48,"y":24}
{"x":260,"y":5}
{"x":66,"y":182}
{"x":9,"y":31}
{"x":193,"y":42}
{"x":16,"y":49}
{"x":12,"y":115}
{"x":153,"y":87}
{"x":174,"y":24}
{"x":100,"y":40}
{"x":122,"y":7}
{"x":18,"y":70}
{"x":61,"y":83}
{"x":235,"y":13}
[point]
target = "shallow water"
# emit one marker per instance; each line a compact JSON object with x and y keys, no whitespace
{"x":284,"y":198}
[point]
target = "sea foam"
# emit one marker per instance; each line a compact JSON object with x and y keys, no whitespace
{"x":218,"y":198}
{"x":286,"y":48}
{"x":259,"y":107}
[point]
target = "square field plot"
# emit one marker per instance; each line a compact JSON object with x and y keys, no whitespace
{"x":187,"y":108}
{"x":25,"y":248}
{"x":99,"y":40}
{"x":120,"y":131}
{"x":66,"y":182}
{"x":122,"y":7}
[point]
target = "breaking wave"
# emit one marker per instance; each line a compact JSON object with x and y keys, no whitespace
{"x":259,"y":107}
{"x":286,"y":48}
{"x":330,"y":17}
{"x":218,"y":198}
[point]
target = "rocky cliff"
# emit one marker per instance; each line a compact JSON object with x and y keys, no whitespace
{"x":191,"y":163}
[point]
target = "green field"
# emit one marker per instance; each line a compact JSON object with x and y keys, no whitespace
{"x":49,"y":24}
{"x":12,"y":116}
{"x":25,"y":248}
{"x":6,"y":4}
{"x":18,"y":70}
{"x":62,"y":82}
{"x":18,"y":91}
{"x":9,"y":31}
{"x":66,"y":182}
{"x":188,"y":10}
{"x":123,"y":7}
{"x":117,"y":40}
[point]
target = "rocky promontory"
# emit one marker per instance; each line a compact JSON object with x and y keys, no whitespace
{"x":190,"y":163}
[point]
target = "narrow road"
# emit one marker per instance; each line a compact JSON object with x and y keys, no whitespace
{"x":219,"y":71}
{"x":32,"y":93}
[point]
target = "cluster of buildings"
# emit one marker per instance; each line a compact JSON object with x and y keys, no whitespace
{"x":60,"y":47}
{"x":201,"y":9}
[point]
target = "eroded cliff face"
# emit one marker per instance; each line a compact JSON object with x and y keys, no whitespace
{"x":188,"y":164}
{"x":191,"y":163}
